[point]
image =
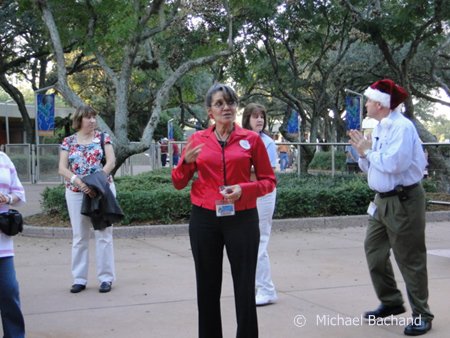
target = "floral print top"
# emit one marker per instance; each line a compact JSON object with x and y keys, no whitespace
{"x":84,"y":159}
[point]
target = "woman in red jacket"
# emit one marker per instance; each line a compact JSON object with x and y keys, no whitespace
{"x":224,"y":210}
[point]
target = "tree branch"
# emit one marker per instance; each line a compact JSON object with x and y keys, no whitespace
{"x":163,"y":91}
{"x":418,"y":93}
{"x":61,"y":85}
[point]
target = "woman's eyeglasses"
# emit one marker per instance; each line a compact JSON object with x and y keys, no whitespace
{"x":221,"y":104}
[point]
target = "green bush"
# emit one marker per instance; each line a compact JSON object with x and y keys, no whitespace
{"x":323,"y":195}
{"x":150,"y":197}
{"x":163,"y":205}
{"x":430,"y":185}
{"x":54,"y":201}
{"x":322,"y":160}
{"x":147,"y":197}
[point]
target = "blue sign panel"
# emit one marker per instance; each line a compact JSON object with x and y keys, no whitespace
{"x":45,"y":114}
{"x":292,"y":125}
{"x":353,"y":116}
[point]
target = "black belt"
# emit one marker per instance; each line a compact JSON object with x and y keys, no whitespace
{"x":399,"y":189}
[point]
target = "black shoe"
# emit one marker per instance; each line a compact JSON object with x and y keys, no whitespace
{"x":384,"y":311}
{"x":77,"y":288}
{"x":105,"y":287}
{"x":418,"y":327}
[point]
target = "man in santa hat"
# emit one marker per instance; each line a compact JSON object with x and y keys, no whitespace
{"x":395,"y":161}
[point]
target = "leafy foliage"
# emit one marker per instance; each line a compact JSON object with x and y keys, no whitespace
{"x":150,"y":198}
{"x":288,"y":55}
{"x":322,"y":160}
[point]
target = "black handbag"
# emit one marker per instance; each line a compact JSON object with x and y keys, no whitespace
{"x":102,"y":144}
{"x":11,"y":222}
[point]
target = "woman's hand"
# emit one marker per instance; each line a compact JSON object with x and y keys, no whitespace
{"x":4,"y":199}
{"x":231,"y":193}
{"x":91,"y":192}
{"x":191,"y":154}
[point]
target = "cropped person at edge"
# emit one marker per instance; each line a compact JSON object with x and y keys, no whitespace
{"x":81,"y":155}
{"x":11,"y":193}
{"x":223,"y":155}
{"x":255,"y":118}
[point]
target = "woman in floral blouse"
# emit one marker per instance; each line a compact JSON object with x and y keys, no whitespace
{"x":81,"y":155}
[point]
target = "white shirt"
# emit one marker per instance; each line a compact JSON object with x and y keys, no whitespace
{"x":397,"y":156}
{"x":9,"y":183}
{"x":271,"y":149}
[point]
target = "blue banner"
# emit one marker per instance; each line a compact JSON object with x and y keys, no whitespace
{"x":170,"y":135}
{"x":292,"y":125}
{"x":353,"y":116}
{"x":45,"y":114}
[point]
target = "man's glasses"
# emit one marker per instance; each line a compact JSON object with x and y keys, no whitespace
{"x":221,"y":104}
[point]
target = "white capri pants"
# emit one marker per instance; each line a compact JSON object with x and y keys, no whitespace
{"x":266,"y":207}
{"x":81,"y":229}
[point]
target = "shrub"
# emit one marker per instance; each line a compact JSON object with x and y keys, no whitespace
{"x":150,"y":197}
{"x":54,"y":201}
{"x":312,"y":196}
{"x":322,"y":160}
{"x":164,"y":205}
{"x":147,"y":197}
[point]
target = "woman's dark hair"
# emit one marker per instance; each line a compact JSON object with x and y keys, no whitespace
{"x":228,"y":94}
{"x":249,"y":110}
{"x":83,"y":111}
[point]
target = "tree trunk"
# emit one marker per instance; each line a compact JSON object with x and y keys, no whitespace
{"x":17,"y":96}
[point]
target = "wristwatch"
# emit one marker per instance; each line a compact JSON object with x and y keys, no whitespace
{"x":9,"y":199}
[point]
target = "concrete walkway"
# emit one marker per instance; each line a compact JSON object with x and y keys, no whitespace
{"x":319,"y":271}
{"x":320,"y":274}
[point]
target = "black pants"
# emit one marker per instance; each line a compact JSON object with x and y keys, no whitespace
{"x":239,"y":234}
{"x":163,"y":159}
{"x":353,"y":168}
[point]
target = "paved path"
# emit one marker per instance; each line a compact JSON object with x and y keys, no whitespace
{"x":320,"y":274}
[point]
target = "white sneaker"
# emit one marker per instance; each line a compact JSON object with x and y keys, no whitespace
{"x":265,"y":300}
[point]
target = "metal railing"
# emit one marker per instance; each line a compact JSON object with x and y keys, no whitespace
{"x":40,"y":164}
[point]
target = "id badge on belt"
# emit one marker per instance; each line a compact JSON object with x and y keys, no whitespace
{"x":224,"y":208}
{"x":371,"y":209}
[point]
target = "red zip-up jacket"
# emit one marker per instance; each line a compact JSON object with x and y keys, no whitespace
{"x":217,"y":166}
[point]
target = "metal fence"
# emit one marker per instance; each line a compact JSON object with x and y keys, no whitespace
{"x":39,"y":164}
{"x":435,"y":151}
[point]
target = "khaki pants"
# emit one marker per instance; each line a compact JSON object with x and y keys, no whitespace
{"x":400,"y":226}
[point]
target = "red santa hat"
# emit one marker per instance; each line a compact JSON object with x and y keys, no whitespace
{"x":386,"y":92}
